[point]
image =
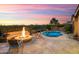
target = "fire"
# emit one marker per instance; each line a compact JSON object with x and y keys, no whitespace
{"x":23,"y":32}
{"x":22,"y":35}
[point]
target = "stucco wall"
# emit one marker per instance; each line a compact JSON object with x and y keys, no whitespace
{"x":76,"y":26}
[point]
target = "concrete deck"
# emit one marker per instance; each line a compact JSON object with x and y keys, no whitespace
{"x":4,"y":48}
{"x":41,"y":45}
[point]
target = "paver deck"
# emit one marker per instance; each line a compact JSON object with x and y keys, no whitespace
{"x":42,"y":45}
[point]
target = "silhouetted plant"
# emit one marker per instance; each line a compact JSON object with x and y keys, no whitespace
{"x":54,"y":21}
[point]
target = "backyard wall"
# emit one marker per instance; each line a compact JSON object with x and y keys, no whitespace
{"x":75,"y":19}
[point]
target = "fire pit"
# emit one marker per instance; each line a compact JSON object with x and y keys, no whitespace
{"x":21,"y":35}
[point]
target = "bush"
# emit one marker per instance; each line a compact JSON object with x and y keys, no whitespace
{"x":60,"y":25}
{"x":68,"y":28}
{"x":48,"y":27}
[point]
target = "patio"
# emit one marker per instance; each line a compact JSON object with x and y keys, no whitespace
{"x":41,"y":45}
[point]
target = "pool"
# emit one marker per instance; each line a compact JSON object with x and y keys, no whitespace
{"x":52,"y":33}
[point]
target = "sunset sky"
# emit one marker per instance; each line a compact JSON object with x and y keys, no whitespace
{"x":35,"y":13}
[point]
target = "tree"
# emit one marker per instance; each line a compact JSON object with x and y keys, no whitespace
{"x":68,"y":27}
{"x":54,"y":21}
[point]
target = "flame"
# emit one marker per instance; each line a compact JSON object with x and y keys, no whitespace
{"x":23,"y":32}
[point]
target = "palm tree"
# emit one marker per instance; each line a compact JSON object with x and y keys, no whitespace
{"x":54,"y":21}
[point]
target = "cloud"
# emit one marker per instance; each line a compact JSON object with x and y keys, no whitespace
{"x":36,"y":13}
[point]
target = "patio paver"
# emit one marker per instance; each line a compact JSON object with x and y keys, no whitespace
{"x":61,"y":44}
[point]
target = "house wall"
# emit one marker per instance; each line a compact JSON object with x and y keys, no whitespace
{"x":75,"y":20}
{"x":76,"y":26}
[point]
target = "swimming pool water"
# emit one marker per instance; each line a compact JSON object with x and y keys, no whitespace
{"x":52,"y":33}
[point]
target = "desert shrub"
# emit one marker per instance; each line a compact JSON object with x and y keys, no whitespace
{"x":68,"y":28}
{"x":60,"y":25}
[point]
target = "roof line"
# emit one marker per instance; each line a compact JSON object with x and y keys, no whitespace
{"x":76,"y":10}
